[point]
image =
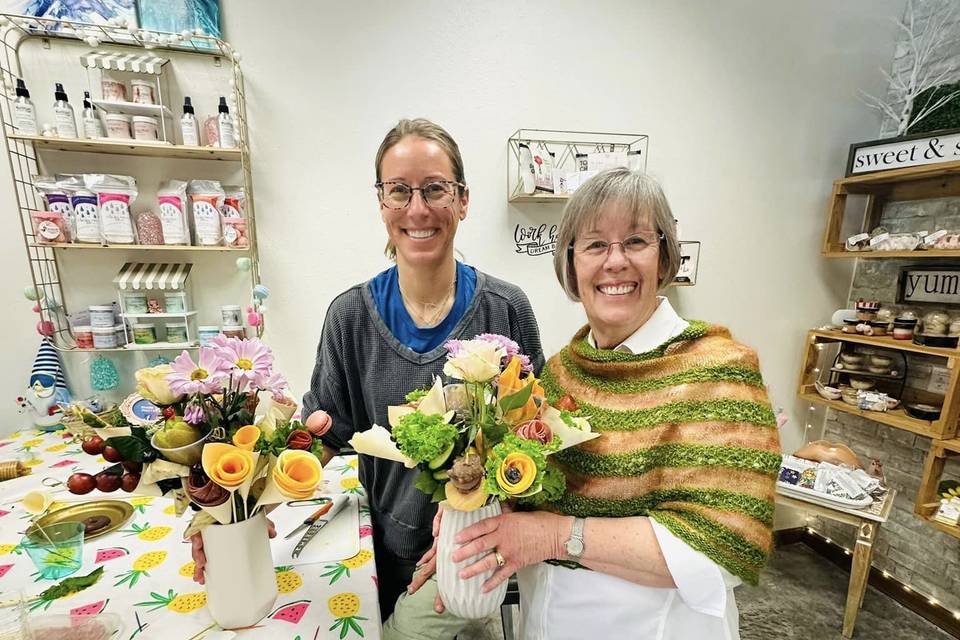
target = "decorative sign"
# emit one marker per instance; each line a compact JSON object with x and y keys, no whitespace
{"x":535,"y":241}
{"x":939,"y":285}
{"x":689,"y":262}
{"x":906,"y":151}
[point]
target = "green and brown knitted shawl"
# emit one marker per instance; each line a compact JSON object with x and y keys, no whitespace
{"x":689,"y":439}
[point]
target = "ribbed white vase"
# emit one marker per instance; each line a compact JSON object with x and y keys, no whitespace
{"x":464,"y":598}
{"x":239,"y":577}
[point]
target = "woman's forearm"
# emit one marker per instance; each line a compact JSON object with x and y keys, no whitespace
{"x":623,"y":547}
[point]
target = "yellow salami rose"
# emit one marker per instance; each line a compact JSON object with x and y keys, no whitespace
{"x":226,"y":465}
{"x":246,"y":437}
{"x":516,"y":473}
{"x":297,"y":474}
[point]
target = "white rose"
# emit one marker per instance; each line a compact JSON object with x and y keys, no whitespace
{"x":477,"y":361}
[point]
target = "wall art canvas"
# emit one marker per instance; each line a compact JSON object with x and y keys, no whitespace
{"x":92,"y":11}
{"x":176,"y":16}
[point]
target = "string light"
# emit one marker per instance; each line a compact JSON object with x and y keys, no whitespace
{"x":886,"y":574}
{"x":846,"y":551}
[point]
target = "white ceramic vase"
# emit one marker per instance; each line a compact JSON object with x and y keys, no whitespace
{"x":464,"y":598}
{"x":240,"y":581}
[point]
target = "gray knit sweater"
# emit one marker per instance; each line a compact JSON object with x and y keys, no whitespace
{"x":362,"y":368}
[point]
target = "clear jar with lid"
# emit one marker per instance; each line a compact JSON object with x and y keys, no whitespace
{"x":83,"y":336}
{"x":936,"y":323}
{"x":104,"y":338}
{"x":144,"y":333}
{"x":176,"y":332}
{"x":234,"y":332}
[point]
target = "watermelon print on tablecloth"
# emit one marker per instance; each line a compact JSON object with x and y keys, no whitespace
{"x":4,"y":568}
{"x":110,"y":553}
{"x":292,"y":612}
{"x":63,"y":463}
{"x":91,"y":609}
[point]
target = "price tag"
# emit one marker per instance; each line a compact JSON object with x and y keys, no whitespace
{"x":883,"y":237}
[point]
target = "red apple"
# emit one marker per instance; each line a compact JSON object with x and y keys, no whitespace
{"x":93,"y":446}
{"x":111,"y":454}
{"x":81,"y":483}
{"x":108,"y":482}
{"x":129,"y":481}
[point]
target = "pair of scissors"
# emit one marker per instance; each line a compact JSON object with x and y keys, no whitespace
{"x":313,"y":517}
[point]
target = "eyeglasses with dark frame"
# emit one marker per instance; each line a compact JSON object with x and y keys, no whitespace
{"x":633,"y":245}
{"x":436,"y":193}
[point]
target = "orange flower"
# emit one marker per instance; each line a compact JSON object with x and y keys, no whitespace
{"x":227,"y":465}
{"x":246,"y":437}
{"x":510,"y":383}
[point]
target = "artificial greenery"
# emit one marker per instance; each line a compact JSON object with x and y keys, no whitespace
{"x":946,"y":116}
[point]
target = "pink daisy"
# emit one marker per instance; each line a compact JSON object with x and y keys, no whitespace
{"x":247,"y":360}
{"x":189,"y":377}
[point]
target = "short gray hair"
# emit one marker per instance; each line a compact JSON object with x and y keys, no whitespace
{"x":639,"y":194}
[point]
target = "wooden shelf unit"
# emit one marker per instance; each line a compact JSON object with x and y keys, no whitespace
{"x":945,"y":427}
{"x":129,"y":148}
{"x":68,"y":246}
{"x":912,"y":183}
{"x":927,"y":497}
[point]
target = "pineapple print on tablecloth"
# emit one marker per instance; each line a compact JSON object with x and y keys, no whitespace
{"x":140,"y":504}
{"x":187,"y":570}
{"x":10,"y":548}
{"x":185,"y":603}
{"x":337,"y":571}
{"x":345,"y":607}
{"x":56,"y":448}
{"x":141,"y":566}
{"x":288,"y":580}
{"x":170,"y":510}
{"x":147,"y":533}
{"x":352,"y":485}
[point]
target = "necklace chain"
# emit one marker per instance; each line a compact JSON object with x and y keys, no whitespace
{"x":429,"y":314}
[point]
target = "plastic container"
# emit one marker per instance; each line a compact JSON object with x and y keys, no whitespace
{"x":206,"y":333}
{"x":234,"y":331}
{"x":146,"y":128}
{"x":235,"y":233}
{"x":113,"y":90}
{"x":142,"y":91}
{"x":49,"y":227}
{"x":135,"y":302}
{"x":118,"y":126}
{"x":104,"y":338}
{"x":175,"y":301}
{"x":144,"y":333}
{"x":56,"y":550}
{"x":103,"y":626}
{"x":176,"y":332}
{"x":230,"y":314}
{"x":120,"y":335}
{"x":102,"y":316}
{"x":83,"y":336}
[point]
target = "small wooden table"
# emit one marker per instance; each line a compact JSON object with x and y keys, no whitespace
{"x":867,"y":521}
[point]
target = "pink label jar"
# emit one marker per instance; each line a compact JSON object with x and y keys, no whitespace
{"x":145,"y":128}
{"x":118,"y":126}
{"x":143,"y":92}
{"x":113,"y":90}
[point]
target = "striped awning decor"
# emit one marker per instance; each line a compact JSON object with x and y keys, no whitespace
{"x":135,"y":62}
{"x":145,"y":275}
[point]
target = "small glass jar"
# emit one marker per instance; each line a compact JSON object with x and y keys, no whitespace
{"x":230,"y":314}
{"x":144,"y":333}
{"x":176,"y":332}
{"x":206,"y":333}
{"x":234,"y":332}
{"x":903,"y":328}
{"x":135,"y":302}
{"x":936,"y":323}
{"x":104,"y":338}
{"x":83,"y":336}
{"x":175,"y":301}
{"x":101,"y":315}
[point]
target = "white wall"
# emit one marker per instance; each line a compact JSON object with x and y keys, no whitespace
{"x":750,"y":107}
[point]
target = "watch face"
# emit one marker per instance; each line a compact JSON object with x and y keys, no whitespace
{"x":574,"y":547}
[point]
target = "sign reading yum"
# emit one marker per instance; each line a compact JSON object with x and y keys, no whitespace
{"x":940,"y":285}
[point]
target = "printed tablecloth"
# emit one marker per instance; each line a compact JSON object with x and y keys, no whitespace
{"x":148,"y":571}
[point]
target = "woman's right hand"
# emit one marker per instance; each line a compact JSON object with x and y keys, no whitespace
{"x":200,"y":558}
{"x":427,"y":565}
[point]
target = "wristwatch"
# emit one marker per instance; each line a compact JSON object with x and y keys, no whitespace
{"x":574,"y":545}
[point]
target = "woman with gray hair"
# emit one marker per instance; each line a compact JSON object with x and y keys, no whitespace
{"x":672,"y":506}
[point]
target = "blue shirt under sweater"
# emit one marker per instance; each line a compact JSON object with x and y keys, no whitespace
{"x":385,"y":289}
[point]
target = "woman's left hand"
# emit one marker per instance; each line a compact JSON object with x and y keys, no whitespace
{"x":521,"y":539}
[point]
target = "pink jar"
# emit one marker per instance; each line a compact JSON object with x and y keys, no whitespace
{"x":145,"y":128}
{"x":118,"y":126}
{"x":84,"y":337}
{"x":143,"y":92}
{"x":113,"y":90}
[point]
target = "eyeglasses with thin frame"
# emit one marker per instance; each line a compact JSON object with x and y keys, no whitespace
{"x":633,"y":245}
{"x":436,"y":193}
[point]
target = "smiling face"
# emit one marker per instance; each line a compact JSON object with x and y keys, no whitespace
{"x":422,"y":235}
{"x":619,"y":289}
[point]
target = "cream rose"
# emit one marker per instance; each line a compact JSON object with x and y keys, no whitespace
{"x":475,"y":361}
{"x":153,"y":385}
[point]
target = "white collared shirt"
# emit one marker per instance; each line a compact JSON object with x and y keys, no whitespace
{"x":557,"y":602}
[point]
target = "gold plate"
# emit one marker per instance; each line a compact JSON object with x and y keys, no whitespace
{"x":105,"y":515}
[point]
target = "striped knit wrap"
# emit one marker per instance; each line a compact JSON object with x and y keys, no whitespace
{"x":689,"y":439}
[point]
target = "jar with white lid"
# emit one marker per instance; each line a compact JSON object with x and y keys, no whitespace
{"x":146,"y":128}
{"x":118,"y":126}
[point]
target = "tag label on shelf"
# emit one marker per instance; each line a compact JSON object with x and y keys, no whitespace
{"x":860,"y":237}
{"x":883,"y":237}
{"x":939,"y":378}
{"x":931,"y":239}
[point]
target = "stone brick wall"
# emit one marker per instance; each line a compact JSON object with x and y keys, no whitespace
{"x":912,"y":551}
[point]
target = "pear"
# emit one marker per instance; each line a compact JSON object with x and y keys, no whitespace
{"x":177,"y":433}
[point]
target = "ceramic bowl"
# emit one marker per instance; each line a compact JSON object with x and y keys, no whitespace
{"x":922,"y":411}
{"x":830,"y":393}
{"x":849,"y":395}
{"x":187,"y":455}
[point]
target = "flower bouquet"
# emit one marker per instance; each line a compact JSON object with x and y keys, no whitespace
{"x":477,"y":442}
{"x":207,"y":449}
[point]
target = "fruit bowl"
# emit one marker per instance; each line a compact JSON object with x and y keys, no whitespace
{"x":187,"y":455}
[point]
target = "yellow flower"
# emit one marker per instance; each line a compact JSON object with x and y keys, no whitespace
{"x":152,"y":384}
{"x":227,"y":465}
{"x":246,"y":437}
{"x":297,"y":474}
{"x":476,"y":361}
{"x":510,"y":383}
{"x":516,"y":473}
